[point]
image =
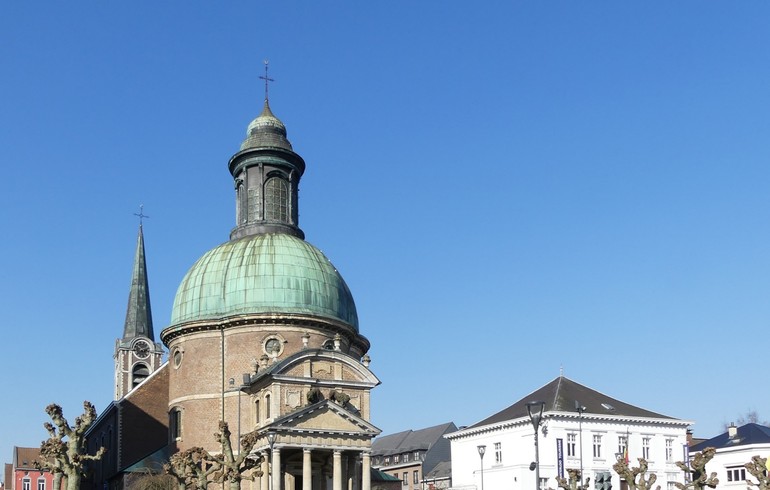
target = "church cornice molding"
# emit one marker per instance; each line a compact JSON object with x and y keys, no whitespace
{"x":265,"y":319}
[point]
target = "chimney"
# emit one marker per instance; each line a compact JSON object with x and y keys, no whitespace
{"x":732,"y":431}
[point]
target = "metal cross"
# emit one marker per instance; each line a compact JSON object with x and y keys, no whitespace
{"x":141,"y":214}
{"x":266,"y":78}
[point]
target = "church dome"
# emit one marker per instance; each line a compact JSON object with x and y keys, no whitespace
{"x":264,"y":273}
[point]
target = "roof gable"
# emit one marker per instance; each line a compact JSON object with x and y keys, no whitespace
{"x":562,"y":395}
{"x":325,"y":416}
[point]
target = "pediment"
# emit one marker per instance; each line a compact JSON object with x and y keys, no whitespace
{"x":327,"y":417}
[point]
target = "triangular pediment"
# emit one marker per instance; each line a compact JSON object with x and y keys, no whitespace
{"x":325,"y":417}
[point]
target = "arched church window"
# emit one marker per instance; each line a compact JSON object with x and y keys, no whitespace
{"x":175,"y":424}
{"x":256,"y":411}
{"x":267,"y":406}
{"x":277,"y":199}
{"x":139,"y":374}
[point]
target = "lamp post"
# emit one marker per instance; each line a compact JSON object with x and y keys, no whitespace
{"x":580,"y":409}
{"x":535,"y":411}
{"x":482,"y":449}
{"x":271,"y":442}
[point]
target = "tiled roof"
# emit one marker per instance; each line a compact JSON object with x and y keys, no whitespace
{"x":561,"y":395}
{"x":746,"y":435}
{"x":24,"y":456}
{"x":410,"y":440}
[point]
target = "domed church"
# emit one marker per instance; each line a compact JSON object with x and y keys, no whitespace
{"x":264,"y":335}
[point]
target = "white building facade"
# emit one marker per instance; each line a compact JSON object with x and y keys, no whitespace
{"x":734,"y":449}
{"x":580,"y":428}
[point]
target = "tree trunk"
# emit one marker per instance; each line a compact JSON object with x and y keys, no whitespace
{"x":56,"y":481}
{"x":73,"y":480}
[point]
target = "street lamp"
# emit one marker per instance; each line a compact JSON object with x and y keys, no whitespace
{"x":482,"y":449}
{"x":580,"y":409}
{"x":535,"y":411}
{"x":271,"y":442}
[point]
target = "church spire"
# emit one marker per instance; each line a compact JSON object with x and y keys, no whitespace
{"x":139,"y":314}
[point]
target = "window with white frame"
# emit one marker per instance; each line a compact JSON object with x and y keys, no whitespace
{"x":417,"y":455}
{"x":406,"y":458}
{"x":670,"y":485}
{"x":415,"y":477}
{"x":26,"y":484}
{"x":571,"y":444}
{"x":622,"y":446}
{"x":498,"y":453}
{"x":646,"y":448}
{"x":669,"y":450}
{"x":543,"y":484}
{"x":597,"y":445}
{"x":406,"y":478}
{"x":736,"y":474}
{"x":396,"y":458}
{"x":41,"y":483}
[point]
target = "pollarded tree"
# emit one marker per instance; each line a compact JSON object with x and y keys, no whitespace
{"x":697,"y":470}
{"x":191,"y":468}
{"x":636,"y":477}
{"x":574,"y":482}
{"x":758,"y":469}
{"x":236,"y":467}
{"x":196,"y":467}
{"x":64,"y":452}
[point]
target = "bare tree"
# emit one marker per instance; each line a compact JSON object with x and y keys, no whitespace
{"x":697,"y":470}
{"x":191,"y":468}
{"x":196,"y":467}
{"x":236,"y":467}
{"x":750,"y":417}
{"x":758,"y":469}
{"x":636,"y":477}
{"x":64,"y":452}
{"x":573,"y":482}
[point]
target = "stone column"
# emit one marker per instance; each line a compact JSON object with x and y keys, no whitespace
{"x":307,"y":470}
{"x":276,"y":469}
{"x":264,"y":482}
{"x":366,"y":471}
{"x":337,"y":471}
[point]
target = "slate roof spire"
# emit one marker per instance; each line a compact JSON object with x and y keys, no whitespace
{"x":139,"y":313}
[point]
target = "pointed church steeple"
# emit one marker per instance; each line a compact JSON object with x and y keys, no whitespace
{"x":139,"y":313}
{"x":137,"y":355}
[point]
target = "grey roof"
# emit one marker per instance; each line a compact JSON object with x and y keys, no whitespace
{"x":139,"y":313}
{"x":561,"y":394}
{"x":411,"y":440}
{"x":441,"y":470}
{"x":746,"y":435}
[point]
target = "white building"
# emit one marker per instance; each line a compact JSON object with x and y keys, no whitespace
{"x":734,"y":449}
{"x":580,"y":428}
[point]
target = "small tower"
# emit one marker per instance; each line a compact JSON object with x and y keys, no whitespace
{"x":137,"y":355}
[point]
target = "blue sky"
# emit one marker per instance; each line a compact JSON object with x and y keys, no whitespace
{"x":509,"y":189}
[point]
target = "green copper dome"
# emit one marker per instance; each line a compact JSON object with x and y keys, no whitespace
{"x":263,"y":273}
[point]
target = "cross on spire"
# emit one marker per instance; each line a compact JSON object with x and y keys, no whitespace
{"x":141,"y":214}
{"x":267,"y":80}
